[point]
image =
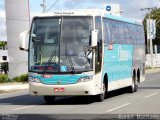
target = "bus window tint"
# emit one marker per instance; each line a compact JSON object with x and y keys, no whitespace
{"x":98,"y":56}
{"x":127,"y":34}
{"x":138,"y":41}
{"x":142,"y":36}
{"x":116,"y":32}
{"x":133,"y":34}
{"x":121,"y":33}
{"x":107,"y":31}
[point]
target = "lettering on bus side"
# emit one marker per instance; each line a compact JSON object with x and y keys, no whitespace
{"x":123,"y":55}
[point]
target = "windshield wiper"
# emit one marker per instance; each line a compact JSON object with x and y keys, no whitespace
{"x":70,"y":61}
{"x":53,"y":54}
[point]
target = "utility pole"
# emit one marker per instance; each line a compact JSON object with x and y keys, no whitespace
{"x":150,"y":38}
{"x":43,"y":5}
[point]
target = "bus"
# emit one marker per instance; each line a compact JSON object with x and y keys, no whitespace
{"x":83,"y":53}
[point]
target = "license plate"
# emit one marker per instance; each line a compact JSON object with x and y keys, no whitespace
{"x":58,"y":89}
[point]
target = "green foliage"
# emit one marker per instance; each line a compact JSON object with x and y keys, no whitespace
{"x":22,"y":78}
{"x":4,"y":78}
{"x":3,"y":43}
{"x":16,"y":79}
{"x":154,"y":14}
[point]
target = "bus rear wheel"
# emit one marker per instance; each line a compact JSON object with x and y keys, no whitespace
{"x":49,"y":99}
{"x":133,"y":88}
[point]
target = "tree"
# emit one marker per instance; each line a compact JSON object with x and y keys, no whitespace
{"x":3,"y":43}
{"x":154,"y":14}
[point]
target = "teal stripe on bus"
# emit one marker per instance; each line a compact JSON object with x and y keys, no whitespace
{"x":63,"y":79}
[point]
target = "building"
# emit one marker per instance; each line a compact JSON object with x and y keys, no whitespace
{"x":4,"y":59}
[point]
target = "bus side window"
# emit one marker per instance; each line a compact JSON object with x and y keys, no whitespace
{"x":115,"y":32}
{"x":98,"y":55}
{"x":138,"y":35}
{"x":107,"y":31}
{"x":142,"y":36}
{"x":121,"y":33}
{"x":127,"y":33}
{"x":133,"y":34}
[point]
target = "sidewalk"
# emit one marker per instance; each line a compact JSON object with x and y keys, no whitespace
{"x":11,"y":87}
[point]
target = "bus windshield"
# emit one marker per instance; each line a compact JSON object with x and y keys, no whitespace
{"x":60,"y":45}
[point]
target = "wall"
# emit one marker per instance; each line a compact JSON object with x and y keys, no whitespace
{"x":156,"y":60}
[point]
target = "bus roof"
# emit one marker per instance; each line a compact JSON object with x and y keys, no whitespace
{"x":123,"y":19}
{"x":89,"y":12}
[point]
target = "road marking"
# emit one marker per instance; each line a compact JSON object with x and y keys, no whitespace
{"x":116,"y":108}
{"x":19,"y":108}
{"x":151,"y":95}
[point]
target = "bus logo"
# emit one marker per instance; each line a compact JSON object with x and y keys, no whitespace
{"x":123,"y":55}
{"x":59,"y":82}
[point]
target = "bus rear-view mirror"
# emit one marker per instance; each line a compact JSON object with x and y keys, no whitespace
{"x":94,"y":38}
{"x":23,"y":40}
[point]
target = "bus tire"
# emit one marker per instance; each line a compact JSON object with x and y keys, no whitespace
{"x":133,"y":88}
{"x":49,"y":99}
{"x":101,"y":97}
{"x":136,"y":85}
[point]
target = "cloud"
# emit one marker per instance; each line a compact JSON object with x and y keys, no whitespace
{"x":131,"y":8}
{"x":2,"y":14}
{"x":74,"y":3}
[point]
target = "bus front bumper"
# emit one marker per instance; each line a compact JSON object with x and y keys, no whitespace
{"x":84,"y":88}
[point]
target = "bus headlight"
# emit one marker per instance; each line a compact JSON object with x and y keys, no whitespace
{"x":33,"y":79}
{"x":85,"y":79}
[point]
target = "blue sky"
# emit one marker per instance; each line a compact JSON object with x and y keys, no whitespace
{"x":131,"y":8}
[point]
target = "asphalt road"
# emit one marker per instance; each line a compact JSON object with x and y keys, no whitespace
{"x":119,"y":104}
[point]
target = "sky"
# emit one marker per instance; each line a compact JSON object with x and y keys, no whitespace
{"x":131,"y":8}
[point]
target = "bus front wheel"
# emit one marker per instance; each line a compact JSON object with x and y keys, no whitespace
{"x":49,"y":99}
{"x":101,"y":97}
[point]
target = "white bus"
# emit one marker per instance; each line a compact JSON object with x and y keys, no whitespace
{"x":83,"y":52}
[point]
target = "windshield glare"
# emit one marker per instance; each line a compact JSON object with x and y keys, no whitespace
{"x":60,"y":45}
